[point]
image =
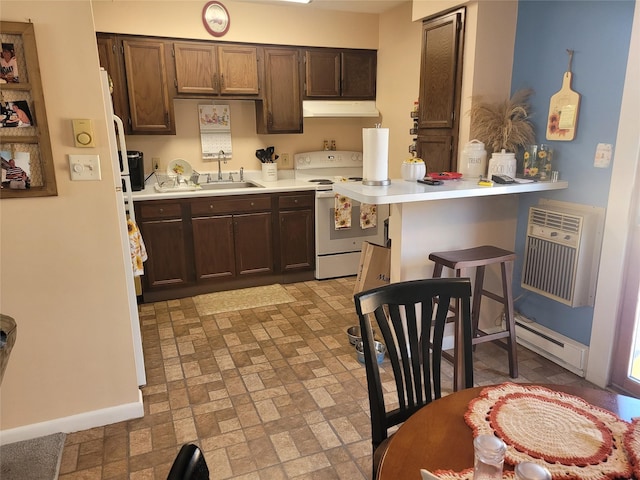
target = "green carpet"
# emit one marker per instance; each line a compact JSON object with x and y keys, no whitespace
{"x":35,"y":459}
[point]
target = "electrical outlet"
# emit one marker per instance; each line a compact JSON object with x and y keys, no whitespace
{"x":155,"y":162}
{"x":285,"y":160}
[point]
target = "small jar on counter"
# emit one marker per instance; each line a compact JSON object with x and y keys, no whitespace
{"x":413,"y":169}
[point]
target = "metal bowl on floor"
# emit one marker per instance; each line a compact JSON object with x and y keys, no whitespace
{"x":380,"y":351}
{"x":353,"y":334}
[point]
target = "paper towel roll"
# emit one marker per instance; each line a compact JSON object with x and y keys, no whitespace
{"x":375,"y":156}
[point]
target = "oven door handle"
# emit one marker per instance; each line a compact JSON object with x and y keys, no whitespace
{"x":325,"y":194}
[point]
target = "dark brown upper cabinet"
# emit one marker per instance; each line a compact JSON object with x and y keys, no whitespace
{"x":339,"y":73}
{"x":142,"y":83}
{"x":280,"y":110}
{"x":206,"y":69}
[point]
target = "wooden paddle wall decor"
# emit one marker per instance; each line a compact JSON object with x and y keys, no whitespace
{"x":563,"y":110}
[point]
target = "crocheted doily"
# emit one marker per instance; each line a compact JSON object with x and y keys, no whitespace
{"x":566,"y":434}
{"x":465,"y":475}
{"x":632,"y":445}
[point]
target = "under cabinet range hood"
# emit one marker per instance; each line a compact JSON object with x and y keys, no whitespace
{"x":339,"y":108}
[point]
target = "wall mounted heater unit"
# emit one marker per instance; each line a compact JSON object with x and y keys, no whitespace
{"x":550,"y":344}
{"x":562,"y":251}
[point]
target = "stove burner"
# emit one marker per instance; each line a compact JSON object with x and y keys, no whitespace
{"x":321,"y":181}
{"x":355,"y":179}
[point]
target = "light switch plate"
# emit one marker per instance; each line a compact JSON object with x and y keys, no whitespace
{"x":85,"y":167}
{"x":603,"y":155}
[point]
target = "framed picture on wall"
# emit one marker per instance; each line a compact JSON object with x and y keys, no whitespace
{"x":9,"y":64}
{"x":25,"y":146}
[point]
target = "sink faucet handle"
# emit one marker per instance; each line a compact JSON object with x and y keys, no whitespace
{"x":231,"y":176}
{"x":242,"y":174}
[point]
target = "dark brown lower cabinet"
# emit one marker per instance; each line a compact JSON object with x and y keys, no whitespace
{"x":253,"y":234}
{"x":213,"y":247}
{"x":210,"y":244}
{"x":297,"y":233}
{"x":163,"y":233}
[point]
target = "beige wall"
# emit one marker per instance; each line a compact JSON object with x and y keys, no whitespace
{"x":61,"y":275}
{"x":398,"y":80}
{"x":294,"y":26}
{"x":62,"y":278}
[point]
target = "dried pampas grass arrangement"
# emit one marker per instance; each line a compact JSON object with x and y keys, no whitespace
{"x":503,"y":125}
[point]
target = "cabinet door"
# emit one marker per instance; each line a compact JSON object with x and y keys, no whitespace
{"x":297,"y":243}
{"x":359,"y":74}
{"x":436,"y":152}
{"x":213,"y":247}
{"x":150,"y":105}
{"x":281,"y":109}
{"x":322,"y":68}
{"x":253,"y":243}
{"x":238,"y":67}
{"x":110,"y":61}
{"x":196,"y":68}
{"x":441,"y":81}
{"x":164,"y":241}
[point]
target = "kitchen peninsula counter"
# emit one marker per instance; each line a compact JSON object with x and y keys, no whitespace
{"x":455,"y":215}
{"x":401,"y":191}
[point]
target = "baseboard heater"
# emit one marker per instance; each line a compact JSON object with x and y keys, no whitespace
{"x":552,"y":345}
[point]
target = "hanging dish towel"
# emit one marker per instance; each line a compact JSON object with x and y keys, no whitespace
{"x":138,"y":250}
{"x":342,"y":212}
{"x":368,"y":215}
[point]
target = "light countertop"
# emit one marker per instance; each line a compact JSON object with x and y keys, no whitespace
{"x":401,"y":191}
{"x":285,"y":183}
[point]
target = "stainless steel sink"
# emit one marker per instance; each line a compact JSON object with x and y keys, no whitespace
{"x":228,"y":185}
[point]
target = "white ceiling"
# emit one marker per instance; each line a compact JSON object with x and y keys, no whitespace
{"x":360,"y":6}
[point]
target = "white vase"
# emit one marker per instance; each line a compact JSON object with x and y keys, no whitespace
{"x":413,"y":169}
{"x":503,"y":163}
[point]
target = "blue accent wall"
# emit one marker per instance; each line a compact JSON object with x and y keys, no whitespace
{"x":599,"y":33}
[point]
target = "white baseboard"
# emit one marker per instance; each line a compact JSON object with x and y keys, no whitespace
{"x":75,"y":423}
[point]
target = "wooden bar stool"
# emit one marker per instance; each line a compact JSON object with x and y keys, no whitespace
{"x":480,"y":257}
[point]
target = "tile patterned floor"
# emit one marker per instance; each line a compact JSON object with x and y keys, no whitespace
{"x":272,"y":393}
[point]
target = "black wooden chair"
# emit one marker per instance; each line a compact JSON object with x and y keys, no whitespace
{"x":411,"y":318}
{"x":189,"y":464}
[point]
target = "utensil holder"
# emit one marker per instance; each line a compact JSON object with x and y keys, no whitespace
{"x":269,"y":172}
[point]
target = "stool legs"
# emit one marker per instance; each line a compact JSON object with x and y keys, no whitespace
{"x":478,"y":289}
{"x":507,"y":275}
{"x":479,"y":336}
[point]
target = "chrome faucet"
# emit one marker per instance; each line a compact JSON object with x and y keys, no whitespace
{"x":242,"y":174}
{"x":220,"y":157}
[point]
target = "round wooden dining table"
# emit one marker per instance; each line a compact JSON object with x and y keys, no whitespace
{"x":437,"y":437}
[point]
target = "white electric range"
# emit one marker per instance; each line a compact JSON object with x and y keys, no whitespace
{"x":337,"y":250}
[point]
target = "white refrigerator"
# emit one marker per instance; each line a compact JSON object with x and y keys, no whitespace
{"x":125,"y":207}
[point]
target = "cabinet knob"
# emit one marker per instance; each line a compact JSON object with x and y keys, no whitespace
{"x":252,"y":204}
{"x":162,"y":210}
{"x":210,"y":207}
{"x":295,"y":201}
